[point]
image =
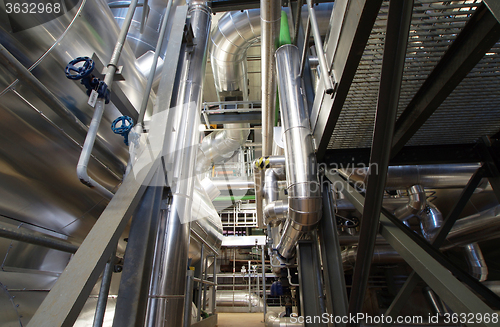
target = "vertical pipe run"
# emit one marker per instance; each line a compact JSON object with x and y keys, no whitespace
{"x":102,"y":300}
{"x":83,"y":161}
{"x":319,"y":48}
{"x":214,"y":287}
{"x":167,"y":288}
{"x":398,"y":25}
{"x":152,"y":71}
{"x":270,"y":15}
{"x":304,"y":193}
{"x":264,"y":294}
{"x":200,"y":284}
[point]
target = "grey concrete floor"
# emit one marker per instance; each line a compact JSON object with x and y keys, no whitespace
{"x":240,"y":319}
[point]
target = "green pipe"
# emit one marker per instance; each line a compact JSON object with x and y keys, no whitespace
{"x":234,"y":198}
{"x":284,"y":38}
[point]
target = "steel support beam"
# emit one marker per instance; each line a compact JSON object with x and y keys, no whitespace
{"x":133,"y":292}
{"x":398,"y":26}
{"x":409,"y":155}
{"x":333,"y":272}
{"x":67,"y":297}
{"x":490,"y":164}
{"x":477,"y":37}
{"x":356,"y":25}
{"x":413,"y":279}
{"x":310,"y":294}
{"x":435,"y":269}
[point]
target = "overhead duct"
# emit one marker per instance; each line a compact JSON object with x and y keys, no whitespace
{"x":219,"y":146}
{"x":304,"y":191}
{"x":431,"y":220}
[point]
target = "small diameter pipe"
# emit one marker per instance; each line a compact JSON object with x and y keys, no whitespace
{"x":102,"y":300}
{"x":200,"y":284}
{"x":42,"y":240}
{"x":24,"y":75}
{"x":189,"y":298}
{"x":152,"y":71}
{"x":214,"y":287}
{"x":319,"y":48}
{"x":83,"y":161}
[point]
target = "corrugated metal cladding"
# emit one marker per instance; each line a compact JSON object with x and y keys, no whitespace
{"x":472,"y":110}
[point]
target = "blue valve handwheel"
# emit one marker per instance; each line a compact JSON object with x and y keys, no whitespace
{"x":75,"y":71}
{"x":122,"y":125}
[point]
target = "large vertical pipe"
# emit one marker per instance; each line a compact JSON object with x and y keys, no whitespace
{"x":270,"y":15}
{"x":304,"y":194}
{"x":168,"y":284}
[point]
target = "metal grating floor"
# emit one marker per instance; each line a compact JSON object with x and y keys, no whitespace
{"x":472,"y":110}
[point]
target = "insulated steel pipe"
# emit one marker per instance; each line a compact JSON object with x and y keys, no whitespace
{"x":416,"y":203}
{"x":429,"y":176}
{"x":167,"y":288}
{"x":270,"y":16}
{"x":219,"y":146}
{"x":431,"y":220}
{"x":304,"y":193}
{"x":83,"y":161}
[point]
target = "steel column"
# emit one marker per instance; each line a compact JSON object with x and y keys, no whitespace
{"x":477,"y":37}
{"x":398,"y":25}
{"x":310,"y":295}
{"x":333,"y":271}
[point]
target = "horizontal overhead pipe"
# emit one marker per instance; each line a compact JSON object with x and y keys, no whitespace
{"x":428,"y":176}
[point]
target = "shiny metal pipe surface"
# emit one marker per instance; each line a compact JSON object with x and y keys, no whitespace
{"x":416,"y":203}
{"x":431,"y":220}
{"x":429,"y":176}
{"x":189,"y":298}
{"x":83,"y":161}
{"x":381,"y":254}
{"x":483,"y":226}
{"x":304,"y":193}
{"x":102,"y":300}
{"x":219,"y":146}
{"x":270,"y":17}
{"x":475,"y":259}
{"x":167,"y":289}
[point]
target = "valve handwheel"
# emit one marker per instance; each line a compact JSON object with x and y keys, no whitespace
{"x":122,"y":125}
{"x":75,"y":70}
